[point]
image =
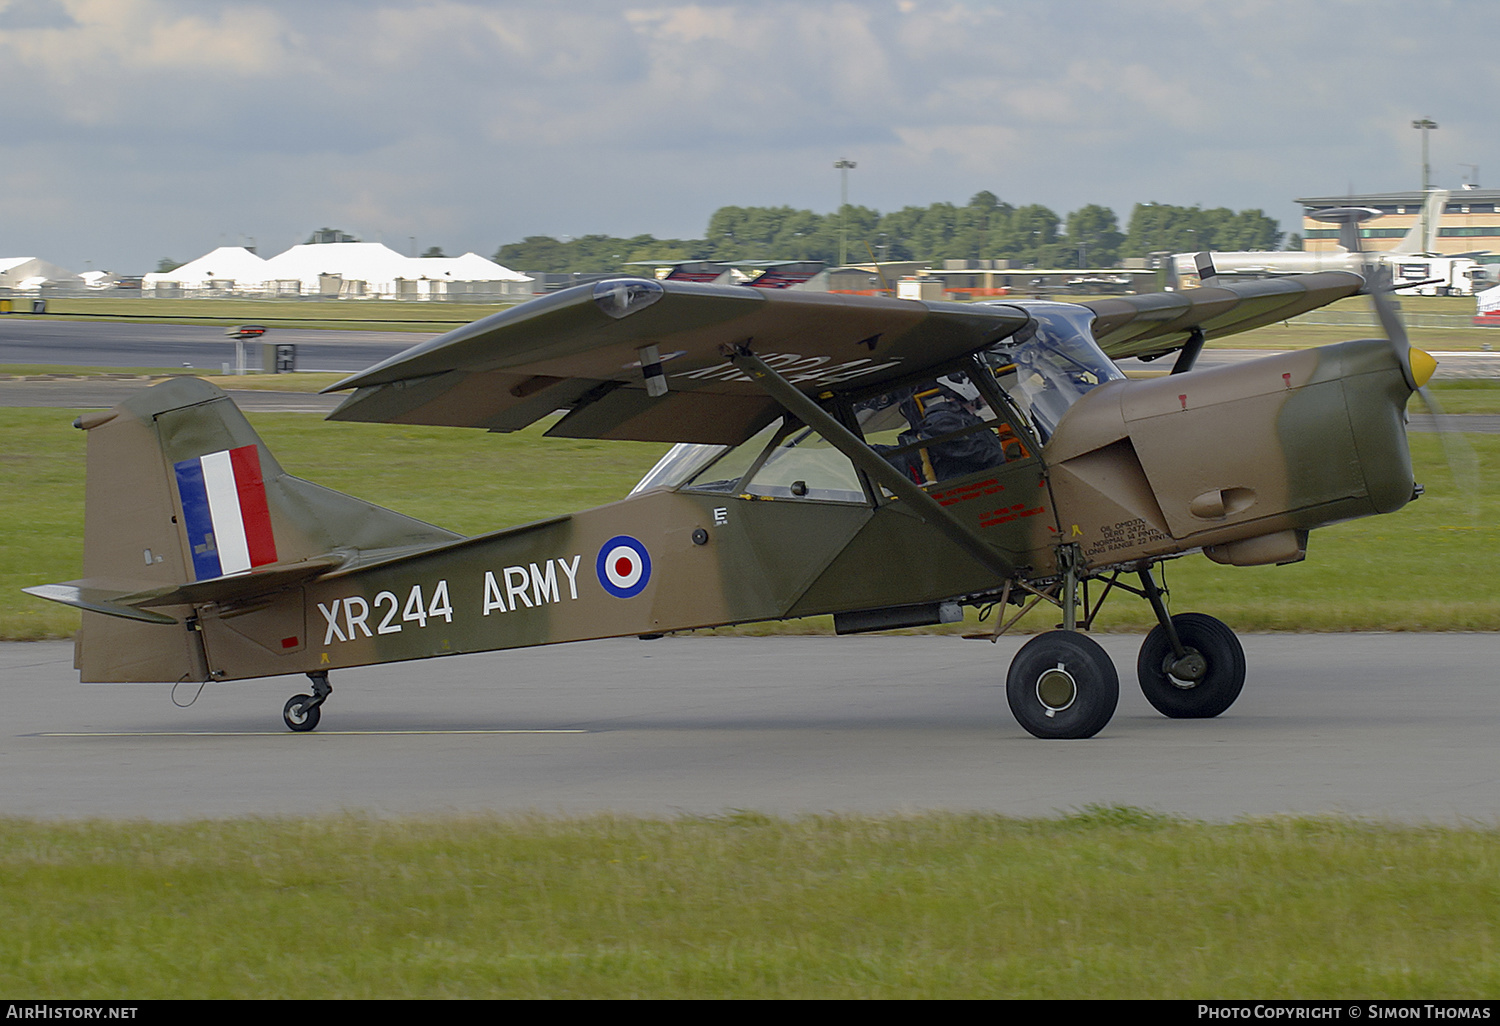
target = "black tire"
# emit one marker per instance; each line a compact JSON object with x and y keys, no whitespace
{"x":1211,"y":693}
{"x":301,"y":714}
{"x":1062,"y":685}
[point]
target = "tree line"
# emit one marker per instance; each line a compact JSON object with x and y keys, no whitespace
{"x":986,"y":228}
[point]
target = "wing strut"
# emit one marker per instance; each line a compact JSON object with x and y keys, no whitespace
{"x":868,"y":460}
{"x":1190,"y":351}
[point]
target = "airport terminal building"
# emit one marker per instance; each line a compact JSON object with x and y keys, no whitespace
{"x":1470,"y":221}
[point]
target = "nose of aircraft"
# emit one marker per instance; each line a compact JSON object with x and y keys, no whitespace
{"x":1421,"y":364}
{"x":1417,"y":365}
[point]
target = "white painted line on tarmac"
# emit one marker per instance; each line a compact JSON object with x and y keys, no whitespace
{"x":277,"y":733}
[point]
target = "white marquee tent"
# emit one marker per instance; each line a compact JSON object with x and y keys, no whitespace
{"x":226,"y":268}
{"x":350,"y":269}
{"x":30,"y":273}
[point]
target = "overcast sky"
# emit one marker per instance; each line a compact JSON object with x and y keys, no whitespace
{"x":138,"y":129}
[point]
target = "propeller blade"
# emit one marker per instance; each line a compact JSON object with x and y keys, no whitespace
{"x":1462,"y":460}
{"x":1416,"y":364}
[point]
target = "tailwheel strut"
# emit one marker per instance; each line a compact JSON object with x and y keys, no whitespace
{"x":302,"y":712}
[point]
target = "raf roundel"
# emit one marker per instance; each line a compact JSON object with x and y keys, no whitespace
{"x":623,"y":566}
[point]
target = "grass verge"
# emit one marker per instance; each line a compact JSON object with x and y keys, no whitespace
{"x":1467,"y":395}
{"x":1106,"y":903}
{"x":364,"y":314}
{"x":302,"y":381}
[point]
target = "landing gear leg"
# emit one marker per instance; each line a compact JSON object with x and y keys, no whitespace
{"x":1191,"y":665}
{"x":302,"y":712}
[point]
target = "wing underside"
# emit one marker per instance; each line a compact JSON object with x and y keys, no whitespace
{"x":1159,"y":322}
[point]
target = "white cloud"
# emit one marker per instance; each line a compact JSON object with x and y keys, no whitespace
{"x":144,"y":128}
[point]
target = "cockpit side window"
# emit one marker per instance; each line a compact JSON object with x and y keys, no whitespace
{"x":786,"y":460}
{"x":725,"y":473}
{"x":680,"y":463}
{"x":805,"y":466}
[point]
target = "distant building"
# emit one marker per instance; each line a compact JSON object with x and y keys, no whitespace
{"x":979,"y":279}
{"x":1470,"y":221}
{"x":326,"y":236}
{"x":872,"y":279}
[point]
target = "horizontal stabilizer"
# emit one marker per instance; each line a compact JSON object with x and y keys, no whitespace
{"x":264,"y":580}
{"x":232,"y":588}
{"x":82,"y":595}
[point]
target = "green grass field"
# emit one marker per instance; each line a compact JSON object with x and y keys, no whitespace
{"x":1106,"y":903}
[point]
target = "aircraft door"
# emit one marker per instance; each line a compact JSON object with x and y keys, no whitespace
{"x":963,"y":441}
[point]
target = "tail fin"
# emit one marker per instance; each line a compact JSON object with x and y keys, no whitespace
{"x":1423,"y":235}
{"x":185,"y":505}
{"x":1207,"y":273}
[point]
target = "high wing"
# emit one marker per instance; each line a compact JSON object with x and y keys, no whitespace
{"x":646,"y":360}
{"x":1155,"y":323}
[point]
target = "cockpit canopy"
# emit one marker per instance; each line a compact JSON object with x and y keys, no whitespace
{"x":934,"y":431}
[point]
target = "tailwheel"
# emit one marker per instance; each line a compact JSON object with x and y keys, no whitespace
{"x":1202,"y":682}
{"x":1062,"y":685}
{"x":302,"y":712}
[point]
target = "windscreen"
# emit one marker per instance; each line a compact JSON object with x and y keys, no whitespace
{"x":1055,"y":362}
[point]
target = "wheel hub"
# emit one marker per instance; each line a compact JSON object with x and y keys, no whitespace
{"x":1056,"y":689}
{"x":1188,"y":671}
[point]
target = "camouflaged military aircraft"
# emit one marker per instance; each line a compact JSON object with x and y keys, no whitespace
{"x":886,"y":461}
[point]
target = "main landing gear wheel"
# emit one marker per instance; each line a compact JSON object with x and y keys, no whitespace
{"x":1062,"y":685}
{"x":1203,"y":683}
{"x":301,"y":713}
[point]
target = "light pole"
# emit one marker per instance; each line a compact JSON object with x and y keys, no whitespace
{"x":843,"y":167}
{"x":1425,"y":125}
